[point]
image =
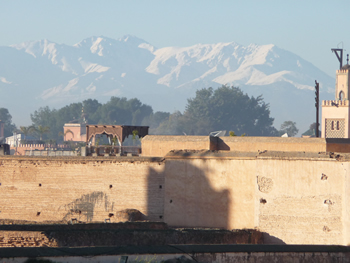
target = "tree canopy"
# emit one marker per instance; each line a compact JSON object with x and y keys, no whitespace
{"x":116,"y":111}
{"x":6,"y":117}
{"x":289,"y":127}
{"x":227,"y":108}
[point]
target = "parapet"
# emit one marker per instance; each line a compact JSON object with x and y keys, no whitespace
{"x":342,"y":71}
{"x":154,"y":145}
{"x":281,"y":144}
{"x":159,"y":145}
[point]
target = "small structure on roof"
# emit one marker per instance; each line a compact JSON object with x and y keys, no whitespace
{"x":114,"y":131}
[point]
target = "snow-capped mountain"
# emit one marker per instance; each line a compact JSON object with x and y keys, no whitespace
{"x":40,"y":73}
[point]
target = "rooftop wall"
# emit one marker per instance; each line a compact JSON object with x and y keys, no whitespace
{"x":255,"y":144}
{"x":159,"y":145}
{"x":154,"y":145}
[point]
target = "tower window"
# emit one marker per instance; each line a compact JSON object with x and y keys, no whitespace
{"x":338,"y":125}
{"x":332,"y":126}
{"x":341,"y":95}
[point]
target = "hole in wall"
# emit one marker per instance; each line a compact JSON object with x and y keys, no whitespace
{"x":38,"y":213}
{"x":160,"y":187}
{"x":160,"y":217}
{"x":171,"y":201}
{"x":110,"y":186}
{"x":263,"y":201}
{"x":328,"y":202}
{"x":39,"y":184}
{"x":324,"y":177}
{"x":326,"y":229}
{"x":110,"y":214}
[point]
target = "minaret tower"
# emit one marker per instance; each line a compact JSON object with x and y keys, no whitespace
{"x":335,"y":113}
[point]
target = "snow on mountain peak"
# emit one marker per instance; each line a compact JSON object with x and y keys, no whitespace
{"x":96,"y":46}
{"x":99,"y":66}
{"x":132,"y":40}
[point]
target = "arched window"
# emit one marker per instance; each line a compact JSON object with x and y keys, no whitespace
{"x":341,"y":95}
{"x":338,"y":126}
{"x":332,"y":125}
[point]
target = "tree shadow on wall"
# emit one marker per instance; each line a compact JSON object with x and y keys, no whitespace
{"x":183,"y":196}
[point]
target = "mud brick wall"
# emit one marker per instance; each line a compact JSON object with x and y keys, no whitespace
{"x":88,"y":190}
{"x":25,"y":239}
{"x":294,"y":198}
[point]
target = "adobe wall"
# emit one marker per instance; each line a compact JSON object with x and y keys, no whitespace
{"x":88,"y":189}
{"x":293,"y":198}
{"x":154,"y":145}
{"x":255,"y":144}
{"x":159,"y":145}
{"x":209,"y":193}
{"x":21,"y":149}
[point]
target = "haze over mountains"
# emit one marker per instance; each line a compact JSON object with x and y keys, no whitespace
{"x":41,"y":73}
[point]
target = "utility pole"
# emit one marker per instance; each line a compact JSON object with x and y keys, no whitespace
{"x":317,"y":100}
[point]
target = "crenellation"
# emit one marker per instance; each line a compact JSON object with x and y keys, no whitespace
{"x":335,"y":103}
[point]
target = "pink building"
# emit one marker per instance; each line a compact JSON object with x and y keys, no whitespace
{"x":74,"y":132}
{"x":336,"y":113}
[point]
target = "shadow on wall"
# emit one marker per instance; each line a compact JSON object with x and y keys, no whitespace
{"x":82,"y":209}
{"x":190,"y":200}
{"x":272,"y":240}
{"x":155,"y":194}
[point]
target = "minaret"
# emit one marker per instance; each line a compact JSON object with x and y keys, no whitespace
{"x":335,"y":113}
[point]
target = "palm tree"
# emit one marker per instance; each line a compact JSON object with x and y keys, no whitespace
{"x":42,"y":130}
{"x":26,"y":130}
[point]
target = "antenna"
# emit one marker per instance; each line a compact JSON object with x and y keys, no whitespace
{"x":340,"y":58}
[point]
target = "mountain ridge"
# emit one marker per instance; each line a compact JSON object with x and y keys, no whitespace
{"x":100,"y":67}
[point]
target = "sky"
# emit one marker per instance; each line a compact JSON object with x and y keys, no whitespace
{"x":307,"y":28}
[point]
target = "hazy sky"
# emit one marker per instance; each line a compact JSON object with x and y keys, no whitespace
{"x":308,"y":28}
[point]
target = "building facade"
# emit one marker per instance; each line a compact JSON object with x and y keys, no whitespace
{"x":335,"y":113}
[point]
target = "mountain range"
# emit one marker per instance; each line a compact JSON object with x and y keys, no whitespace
{"x":40,"y":73}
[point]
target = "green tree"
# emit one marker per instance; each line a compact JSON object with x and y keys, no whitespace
{"x":6,"y":117}
{"x":312,"y":130}
{"x":26,"y":130}
{"x":227,"y":108}
{"x":91,"y":111}
{"x":41,"y":130}
{"x":123,"y":111}
{"x":289,"y":127}
{"x":116,"y":111}
{"x":175,"y":124}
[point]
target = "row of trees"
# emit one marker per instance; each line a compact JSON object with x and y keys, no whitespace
{"x":10,"y":128}
{"x":225,"y":108}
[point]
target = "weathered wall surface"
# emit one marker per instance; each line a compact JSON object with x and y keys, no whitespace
{"x":160,"y":145}
{"x":295,"y":198}
{"x":103,"y":235}
{"x":255,"y":144}
{"x":301,"y":200}
{"x":182,"y":253}
{"x":54,"y":189}
{"x":209,"y":193}
{"x":154,"y":145}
